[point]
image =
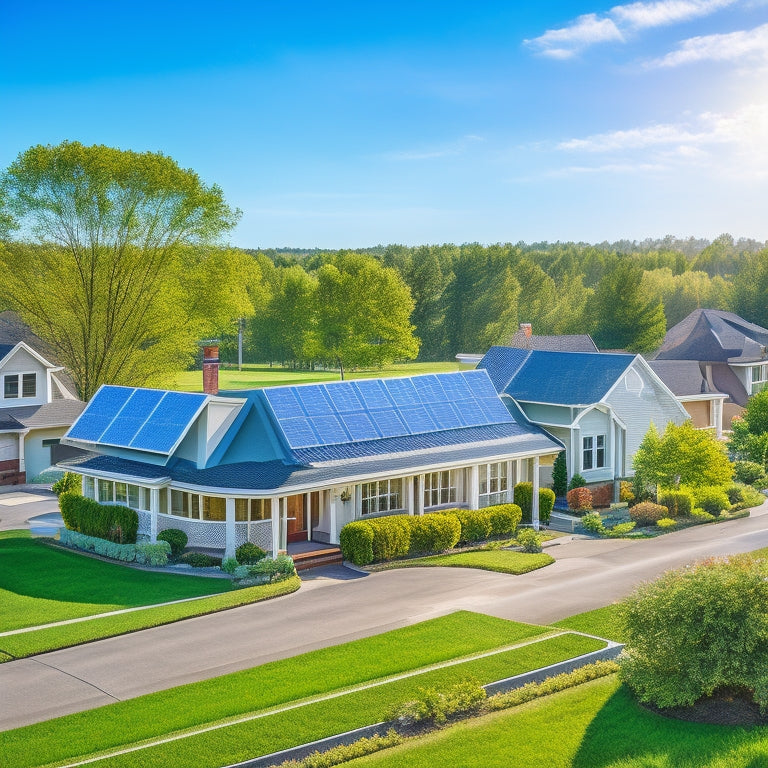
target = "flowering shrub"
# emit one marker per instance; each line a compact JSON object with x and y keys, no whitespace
{"x":625,"y":492}
{"x":579,"y":498}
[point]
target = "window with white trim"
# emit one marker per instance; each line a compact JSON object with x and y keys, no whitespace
{"x":88,"y":486}
{"x":19,"y":385}
{"x":593,"y":452}
{"x":493,"y":483}
{"x":381,"y":496}
{"x":440,"y":488}
{"x":758,"y":378}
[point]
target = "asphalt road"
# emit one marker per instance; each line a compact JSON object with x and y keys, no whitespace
{"x":335,"y":605}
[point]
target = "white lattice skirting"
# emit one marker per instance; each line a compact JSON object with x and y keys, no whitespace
{"x":213,"y":534}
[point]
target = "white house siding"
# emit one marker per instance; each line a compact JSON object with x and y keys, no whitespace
{"x":19,"y":363}
{"x":638,"y":406}
{"x":595,"y":422}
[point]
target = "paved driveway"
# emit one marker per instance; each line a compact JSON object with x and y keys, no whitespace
{"x":28,"y":507}
{"x":329,"y":610}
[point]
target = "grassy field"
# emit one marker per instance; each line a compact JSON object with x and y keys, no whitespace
{"x":595,"y":725}
{"x":500,"y":560}
{"x":281,"y":683}
{"x":253,"y":376}
{"x":40,"y":584}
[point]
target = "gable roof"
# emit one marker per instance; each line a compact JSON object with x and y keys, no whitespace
{"x":682,"y":377}
{"x":712,"y":335}
{"x":557,"y":378}
{"x":581,"y":342}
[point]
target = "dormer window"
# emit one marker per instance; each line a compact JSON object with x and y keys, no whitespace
{"x":11,"y":385}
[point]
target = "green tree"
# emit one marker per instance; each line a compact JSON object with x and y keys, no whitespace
{"x":750,"y":433}
{"x":625,"y":318}
{"x":111,"y":271}
{"x":750,"y":289}
{"x":363,"y":313}
{"x":684,"y":455}
{"x":560,"y":475}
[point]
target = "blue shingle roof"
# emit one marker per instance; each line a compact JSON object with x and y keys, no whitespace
{"x":558,"y":378}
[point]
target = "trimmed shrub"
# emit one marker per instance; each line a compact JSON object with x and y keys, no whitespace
{"x":475,"y":524}
{"x":391,"y":537}
{"x":69,"y":481}
{"x":176,"y":538}
{"x":560,"y":475}
{"x":504,"y":518}
{"x":523,"y":494}
{"x":356,"y":541}
{"x":435,"y":706}
{"x":701,"y":514}
{"x":712,"y":499}
{"x":696,"y":630}
{"x":143,"y":553}
{"x":199,"y":560}
{"x":666,"y":522}
{"x":229,"y":565}
{"x":275,"y":570}
{"x":679,"y":503}
{"x":735,"y":493}
{"x":621,"y":529}
{"x":249,"y":553}
{"x":435,"y":532}
{"x":625,"y":492}
{"x":546,"y":503}
{"x":647,"y":513}
{"x":529,"y":540}
{"x":103,"y":521}
{"x":579,"y":498}
{"x":593,"y":523}
{"x":747,"y":471}
{"x":577,"y":481}
{"x":153,"y":554}
{"x":602,"y":495}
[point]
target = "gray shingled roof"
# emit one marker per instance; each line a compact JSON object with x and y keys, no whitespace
{"x":712,"y":335}
{"x":58,"y":413}
{"x":581,"y":342}
{"x":683,"y":377}
{"x":9,"y":424}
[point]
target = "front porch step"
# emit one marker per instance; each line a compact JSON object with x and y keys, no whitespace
{"x":305,"y":560}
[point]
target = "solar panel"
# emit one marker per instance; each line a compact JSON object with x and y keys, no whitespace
{"x":102,"y":408}
{"x":444,"y":415}
{"x":402,"y":392}
{"x":418,"y":420}
{"x":299,"y":433}
{"x":373,"y":394}
{"x":168,"y":422}
{"x":428,"y":389}
{"x":389,"y":423}
{"x":359,"y":426}
{"x":494,"y":410}
{"x":314,"y":400}
{"x":479,"y":384}
{"x":344,"y":397}
{"x":455,"y":388}
{"x":284,"y":402}
{"x":471,"y":413}
{"x":136,"y":411}
{"x":329,"y":429}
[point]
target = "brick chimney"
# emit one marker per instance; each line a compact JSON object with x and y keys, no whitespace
{"x":526,"y":329}
{"x":211,"y":370}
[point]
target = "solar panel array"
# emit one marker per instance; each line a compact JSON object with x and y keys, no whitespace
{"x":371,"y":409}
{"x":145,"y":419}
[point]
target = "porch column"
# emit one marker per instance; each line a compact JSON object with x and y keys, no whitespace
{"x":332,"y":524}
{"x":22,"y":461}
{"x":229,"y":529}
{"x":154,"y":508}
{"x":409,"y":497}
{"x":420,"y":497}
{"x":358,"y":502}
{"x":535,"y":499}
{"x":510,"y":482}
{"x":275,"y":511}
{"x":308,"y":515}
{"x":474,"y":487}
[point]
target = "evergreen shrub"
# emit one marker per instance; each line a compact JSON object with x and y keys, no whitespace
{"x":475,"y":524}
{"x":504,"y":519}
{"x":391,"y":536}
{"x":104,"y":521}
{"x":679,"y":503}
{"x":560,"y":475}
{"x":249,"y":553}
{"x":712,"y":499}
{"x":546,"y":504}
{"x":199,"y":560}
{"x":69,"y":481}
{"x":524,"y":499}
{"x":356,"y":541}
{"x":577,"y":481}
{"x":434,"y":532}
{"x":747,"y":471}
{"x":176,"y":538}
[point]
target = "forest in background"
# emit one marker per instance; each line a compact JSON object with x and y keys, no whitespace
{"x":471,"y":296}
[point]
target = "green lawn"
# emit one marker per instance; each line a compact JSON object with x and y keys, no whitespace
{"x":253,"y":376}
{"x":500,"y":560}
{"x":41,"y":584}
{"x":283,"y":682}
{"x":603,"y":622}
{"x":595,"y":725}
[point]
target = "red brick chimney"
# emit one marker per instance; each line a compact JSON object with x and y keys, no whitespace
{"x":211,"y":370}
{"x":526,"y":329}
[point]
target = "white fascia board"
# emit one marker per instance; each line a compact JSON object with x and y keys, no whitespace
{"x":694,"y":398}
{"x":120,"y":478}
{"x":22,"y":345}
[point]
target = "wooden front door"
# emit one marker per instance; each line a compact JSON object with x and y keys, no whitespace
{"x":297,"y":518}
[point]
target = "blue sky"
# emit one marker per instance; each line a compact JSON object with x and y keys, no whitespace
{"x":340,"y":124}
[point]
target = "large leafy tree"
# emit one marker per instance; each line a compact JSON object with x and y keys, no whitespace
{"x":750,"y":433}
{"x":363,"y":313}
{"x":108,"y":263}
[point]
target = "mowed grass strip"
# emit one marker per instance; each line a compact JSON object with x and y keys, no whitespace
{"x":603,"y":622}
{"x":42,"y":584}
{"x":66,"y":635}
{"x":499,"y":560}
{"x":270,"y":685}
{"x":595,"y":725}
{"x":316,"y":720}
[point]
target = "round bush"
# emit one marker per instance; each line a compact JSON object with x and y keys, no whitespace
{"x":593,"y":523}
{"x":577,"y":481}
{"x":747,"y":471}
{"x":249,"y":553}
{"x":735,"y":493}
{"x":529,"y":540}
{"x":696,"y":630}
{"x":648,"y":513}
{"x":176,"y":538}
{"x":677,"y":502}
{"x":356,"y":541}
{"x":546,"y":503}
{"x":504,"y":519}
{"x":712,"y":499}
{"x":475,"y":525}
{"x":434,"y":532}
{"x":579,"y":498}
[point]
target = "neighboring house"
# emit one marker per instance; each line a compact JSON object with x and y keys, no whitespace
{"x":686,"y":382}
{"x":36,"y":410}
{"x":598,"y":405}
{"x":295,"y":463}
{"x":732,"y":354}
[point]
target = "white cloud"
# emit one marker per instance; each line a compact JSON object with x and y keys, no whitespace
{"x":732,"y":46}
{"x":591,"y":29}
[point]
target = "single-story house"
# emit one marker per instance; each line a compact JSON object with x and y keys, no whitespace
{"x":296,"y":463}
{"x":731,"y":352}
{"x":36,"y":410}
{"x":599,"y":405}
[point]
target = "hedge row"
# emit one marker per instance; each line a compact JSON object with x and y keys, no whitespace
{"x":386,"y":538}
{"x":104,"y":521}
{"x":143,"y":553}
